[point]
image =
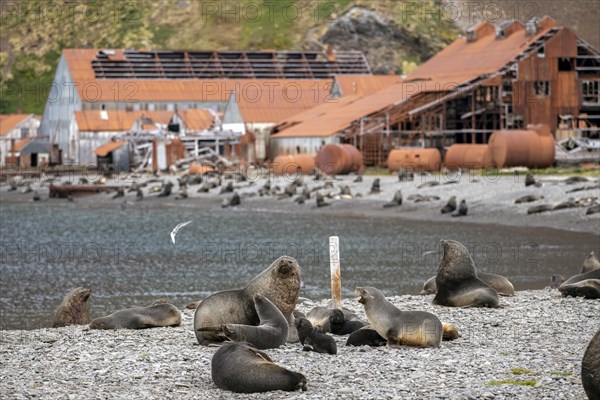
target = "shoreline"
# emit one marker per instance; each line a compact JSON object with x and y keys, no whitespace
{"x":538,"y":331}
{"x":489,"y":202}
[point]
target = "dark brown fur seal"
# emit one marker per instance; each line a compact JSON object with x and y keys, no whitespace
{"x":324,"y":316}
{"x":280,"y":283}
{"x":590,"y":368}
{"x":157,"y":315}
{"x":314,"y":338}
{"x":457,"y":282}
{"x":409,"y":328}
{"x":243,"y":369}
{"x":450,"y":206}
{"x":366,"y":336}
{"x":271,"y":332}
{"x":587,"y":288}
{"x":73,"y":310}
{"x":500,"y":284}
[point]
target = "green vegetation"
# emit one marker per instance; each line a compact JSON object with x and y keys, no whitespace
{"x":520,"y":371}
{"x":34,"y":32}
{"x":512,"y":382}
{"x":561,"y":373}
{"x":561,"y":171}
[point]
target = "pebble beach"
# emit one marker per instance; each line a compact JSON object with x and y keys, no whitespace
{"x":531,"y":348}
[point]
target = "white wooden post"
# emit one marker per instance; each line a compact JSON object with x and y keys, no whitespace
{"x":336,"y":278}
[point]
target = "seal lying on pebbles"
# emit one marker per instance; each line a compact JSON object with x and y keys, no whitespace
{"x":409,"y":328}
{"x":73,"y":310}
{"x":271,"y":332}
{"x":243,"y":369}
{"x":500,"y":284}
{"x":314,"y":338}
{"x":457,"y":282}
{"x":280,"y":283}
{"x":590,"y":368}
{"x":366,"y":336}
{"x":324,"y":316}
{"x":528,"y":199}
{"x":396,"y":201}
{"x":157,"y":315}
{"x":583,"y":285}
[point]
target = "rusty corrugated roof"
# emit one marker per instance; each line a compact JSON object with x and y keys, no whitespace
{"x":118,"y":120}
{"x":276,"y":105}
{"x":196,"y":119}
{"x":8,"y":122}
{"x":19,"y":144}
{"x":485,"y":55}
{"x":327,"y":120}
{"x":109,"y":147}
{"x":351,"y":85}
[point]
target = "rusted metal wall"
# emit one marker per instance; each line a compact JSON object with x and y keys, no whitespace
{"x":468,"y":156}
{"x":293,"y":164}
{"x":564,"y":96}
{"x":426,"y":159}
{"x":339,"y":159}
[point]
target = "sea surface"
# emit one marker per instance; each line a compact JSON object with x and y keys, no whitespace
{"x":125,"y":253}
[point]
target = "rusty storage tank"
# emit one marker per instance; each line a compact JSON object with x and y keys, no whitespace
{"x":336,"y":159}
{"x":422,"y":159}
{"x":293,"y":164}
{"x":532,"y":148}
{"x":468,"y":156}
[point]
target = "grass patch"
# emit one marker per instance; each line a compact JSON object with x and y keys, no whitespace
{"x":512,"y":382}
{"x":561,"y":373}
{"x":520,"y":371}
{"x":505,"y":354}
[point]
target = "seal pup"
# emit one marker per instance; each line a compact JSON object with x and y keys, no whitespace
{"x":314,"y":338}
{"x":358,"y":179}
{"x":157,"y":315}
{"x":530,"y":180}
{"x":396,"y":201}
{"x":271,"y":332}
{"x":234,"y":201}
{"x":590,"y":368}
{"x":450,"y":206}
{"x":321,"y":200}
{"x":120,"y":192}
{"x":366,"y":336}
{"x":73,"y":310}
{"x":240,"y":368}
{"x":323,"y":317}
{"x":590,"y":263}
{"x":457,"y":282}
{"x":462,"y":209}
{"x":408,"y":328}
{"x":280,"y":283}
{"x":587,"y":288}
{"x":500,"y":284}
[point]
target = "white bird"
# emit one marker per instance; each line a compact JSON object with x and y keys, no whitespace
{"x":177,"y":228}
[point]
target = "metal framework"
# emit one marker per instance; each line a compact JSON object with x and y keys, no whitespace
{"x":131,"y":64}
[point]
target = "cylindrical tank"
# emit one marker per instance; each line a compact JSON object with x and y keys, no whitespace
{"x":336,"y":159}
{"x":425,"y":159}
{"x":293,"y":164}
{"x":468,"y":156}
{"x":532,"y":148}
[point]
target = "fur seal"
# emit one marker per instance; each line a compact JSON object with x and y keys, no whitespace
{"x":450,"y":206}
{"x":396,"y":201}
{"x":321,"y":200}
{"x":457,"y":282}
{"x":409,"y":328}
{"x":462,"y":209}
{"x":240,"y":368}
{"x":500,"y":284}
{"x":556,"y":281}
{"x":528,"y":199}
{"x":314,"y":338}
{"x":590,"y":263}
{"x":590,"y":368}
{"x":376,"y":186}
{"x":324,"y":316}
{"x":166,"y":190}
{"x":73,"y":310}
{"x":233,"y":201}
{"x":271,"y":332}
{"x":366,"y":336}
{"x":587,"y":288}
{"x":280,"y":283}
{"x":157,"y":315}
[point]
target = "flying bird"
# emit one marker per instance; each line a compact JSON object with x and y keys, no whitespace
{"x":177,"y":228}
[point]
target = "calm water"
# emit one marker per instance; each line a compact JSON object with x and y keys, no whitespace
{"x":127,"y":258}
